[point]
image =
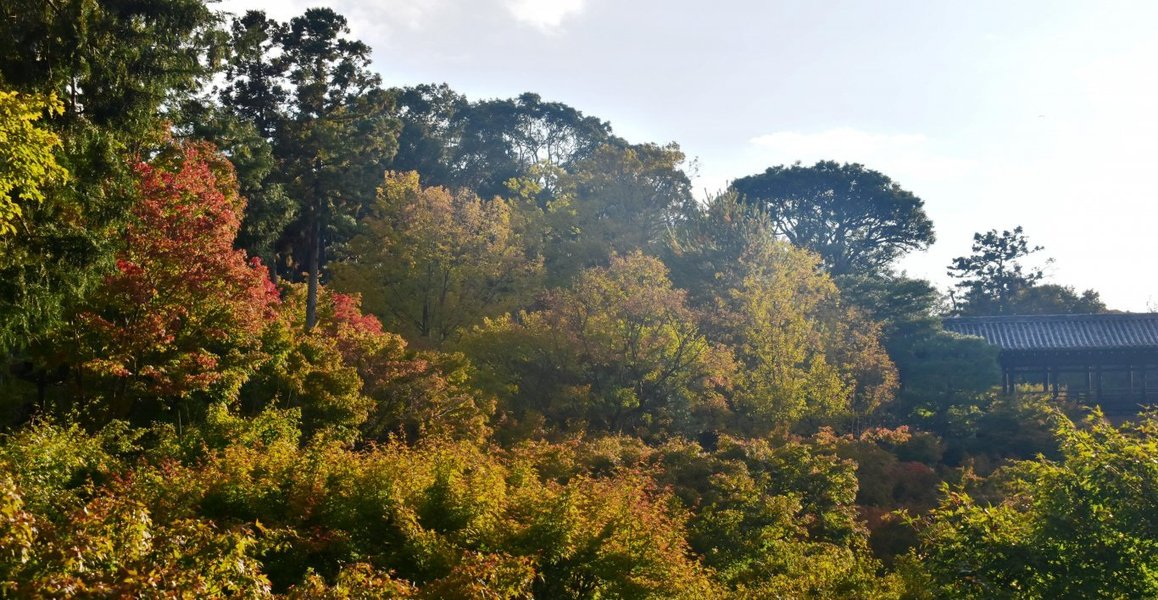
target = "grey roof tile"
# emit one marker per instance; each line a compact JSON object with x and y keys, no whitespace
{"x":1062,"y":332}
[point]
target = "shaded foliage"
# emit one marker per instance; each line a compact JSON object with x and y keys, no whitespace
{"x":858,"y":220}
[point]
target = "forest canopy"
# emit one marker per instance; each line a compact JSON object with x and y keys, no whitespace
{"x":271,"y":328}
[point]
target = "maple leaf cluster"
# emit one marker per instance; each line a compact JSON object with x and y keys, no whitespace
{"x":183,"y":312}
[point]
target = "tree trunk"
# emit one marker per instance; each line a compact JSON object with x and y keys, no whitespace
{"x":273,"y":268}
{"x":313,"y":266}
{"x":315,"y":259}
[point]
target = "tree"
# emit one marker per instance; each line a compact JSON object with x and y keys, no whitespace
{"x":430,"y":263}
{"x":802,"y":352}
{"x":1084,"y":526}
{"x":244,"y":123}
{"x":777,"y":521}
{"x":309,"y":89}
{"x":27,"y":163}
{"x":348,"y":376}
{"x":432,"y":119}
{"x":482,"y":145}
{"x":994,"y":275}
{"x":114,"y":63}
{"x":502,"y":139}
{"x":626,"y":199}
{"x":858,"y":220}
{"x":941,"y":373}
{"x":619,"y":351}
{"x":184,"y":311}
{"x":995,"y":281}
{"x":803,"y":355}
{"x":620,"y":199}
{"x":1053,"y":299}
{"x":118,"y":67}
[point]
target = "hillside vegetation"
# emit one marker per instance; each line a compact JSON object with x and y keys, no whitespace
{"x":269,"y":328}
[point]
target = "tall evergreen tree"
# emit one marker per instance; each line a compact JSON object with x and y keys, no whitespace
{"x":307,"y":91}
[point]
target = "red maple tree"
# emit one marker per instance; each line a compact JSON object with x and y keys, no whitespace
{"x":184,"y":311}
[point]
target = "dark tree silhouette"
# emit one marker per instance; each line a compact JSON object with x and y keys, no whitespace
{"x":993,"y":276}
{"x":858,"y":220}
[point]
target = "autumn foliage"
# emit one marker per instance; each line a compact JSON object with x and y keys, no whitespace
{"x":555,"y":374}
{"x":184,"y":312}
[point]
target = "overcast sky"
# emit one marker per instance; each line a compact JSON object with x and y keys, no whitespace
{"x":998,"y":113}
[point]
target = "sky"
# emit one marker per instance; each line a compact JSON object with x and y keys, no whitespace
{"x":1038,"y":113}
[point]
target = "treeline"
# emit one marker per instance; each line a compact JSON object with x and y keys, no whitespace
{"x":271,"y":328}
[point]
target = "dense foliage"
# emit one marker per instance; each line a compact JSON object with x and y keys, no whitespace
{"x":302,"y":336}
{"x":995,"y":280}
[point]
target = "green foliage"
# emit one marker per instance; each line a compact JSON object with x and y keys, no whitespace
{"x":243,"y":499}
{"x":623,"y":199}
{"x":53,"y":464}
{"x":1083,"y":526}
{"x":774,"y":520}
{"x":615,"y":199}
{"x":429,"y":263}
{"x":618,"y":351}
{"x":115,"y":63}
{"x":480,"y":146}
{"x":804,"y":357}
{"x":858,"y":220}
{"x":994,"y":276}
{"x":942,"y":372}
{"x":66,"y":528}
{"x":112,"y":547}
{"x":348,"y":375}
{"x":802,"y":354}
{"x":268,"y":209}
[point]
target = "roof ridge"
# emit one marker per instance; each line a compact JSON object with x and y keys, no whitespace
{"x":1059,"y":317}
{"x":1061,"y":332}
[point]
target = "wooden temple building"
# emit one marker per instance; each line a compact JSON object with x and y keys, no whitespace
{"x":1106,"y":359}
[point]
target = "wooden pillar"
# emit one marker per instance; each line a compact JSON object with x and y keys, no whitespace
{"x":1053,"y":375}
{"x":1143,"y":382}
{"x":1132,"y":386}
{"x":1098,"y":373}
{"x":1089,"y":382}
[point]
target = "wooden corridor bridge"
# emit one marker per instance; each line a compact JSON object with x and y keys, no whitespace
{"x":1106,"y":359}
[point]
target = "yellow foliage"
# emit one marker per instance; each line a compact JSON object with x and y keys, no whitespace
{"x":26,"y":161}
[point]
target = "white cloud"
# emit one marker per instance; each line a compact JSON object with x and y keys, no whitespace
{"x":368,"y":21}
{"x":412,"y":14}
{"x":902,"y":156}
{"x":546,"y":15}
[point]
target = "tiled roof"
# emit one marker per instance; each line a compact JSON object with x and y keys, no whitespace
{"x":1063,"y":332}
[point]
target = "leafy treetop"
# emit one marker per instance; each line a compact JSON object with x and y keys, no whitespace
{"x":857,"y":219}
